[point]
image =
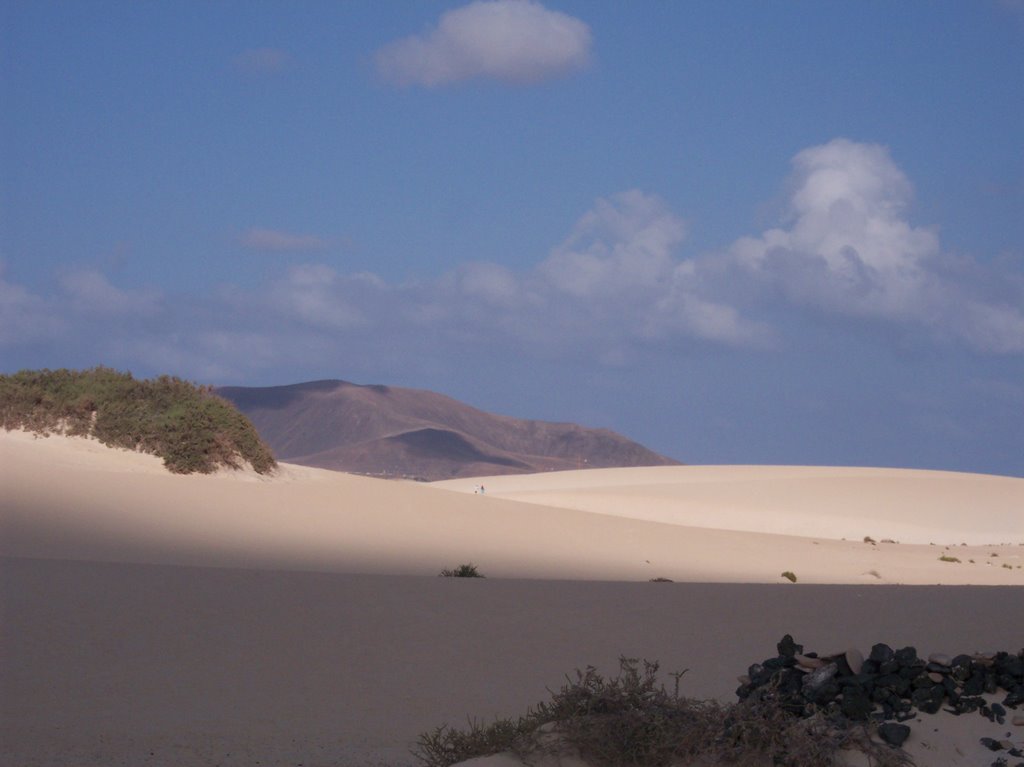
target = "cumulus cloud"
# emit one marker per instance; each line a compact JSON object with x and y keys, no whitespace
{"x":514,"y":41}
{"x":620,"y":268}
{"x":618,"y":285}
{"x":624,"y":242}
{"x":275,"y":240}
{"x":847,"y":248}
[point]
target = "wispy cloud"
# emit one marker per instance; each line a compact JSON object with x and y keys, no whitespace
{"x":275,"y":240}
{"x":514,"y":41}
{"x":261,"y":61}
{"x":24,"y":316}
{"x":88,"y":291}
{"x":618,"y":286}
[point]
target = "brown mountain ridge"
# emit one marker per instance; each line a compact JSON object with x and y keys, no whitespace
{"x":411,"y":433}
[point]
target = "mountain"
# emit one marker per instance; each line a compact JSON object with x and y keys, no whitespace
{"x":397,"y":432}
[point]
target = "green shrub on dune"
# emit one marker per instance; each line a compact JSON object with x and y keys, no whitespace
{"x":187,"y":425}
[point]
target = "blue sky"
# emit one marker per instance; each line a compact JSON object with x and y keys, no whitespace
{"x":738,"y":232}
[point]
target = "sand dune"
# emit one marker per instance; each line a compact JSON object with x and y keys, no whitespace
{"x":152,"y":619}
{"x":811,"y":501}
{"x":68,"y":498}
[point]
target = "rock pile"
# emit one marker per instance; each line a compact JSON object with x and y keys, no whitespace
{"x":891,"y":686}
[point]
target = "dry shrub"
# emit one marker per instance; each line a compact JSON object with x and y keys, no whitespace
{"x":632,"y":720}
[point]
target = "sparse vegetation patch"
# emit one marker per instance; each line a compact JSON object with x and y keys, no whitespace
{"x":187,"y":425}
{"x":462,"y":571}
{"x":633,"y":719}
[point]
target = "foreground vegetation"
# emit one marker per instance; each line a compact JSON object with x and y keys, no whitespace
{"x":462,"y":571}
{"x":632,"y":720}
{"x":187,"y":425}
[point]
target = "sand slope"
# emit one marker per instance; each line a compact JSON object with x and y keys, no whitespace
{"x":67,"y":498}
{"x":812,"y":501}
{"x":152,"y":619}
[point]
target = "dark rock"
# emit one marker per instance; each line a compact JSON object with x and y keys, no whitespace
{"x":922,"y":681}
{"x":787,"y":648}
{"x":991,"y":684}
{"x":880,"y":653}
{"x":759,"y":675}
{"x":825,"y":694}
{"x":1015,"y":698}
{"x":929,"y":700}
{"x":864,"y":681}
{"x":961,"y":667}
{"x":817,"y":679}
{"x":889,"y":667}
{"x":775,"y":664}
{"x":790,"y":682}
{"x":856,"y":704}
{"x":894,"y":734}
{"x":1008,"y":664}
{"x":893,"y":682}
{"x":968,"y":705}
{"x":991,"y":745}
{"x":907,"y":657}
{"x":975,"y":684}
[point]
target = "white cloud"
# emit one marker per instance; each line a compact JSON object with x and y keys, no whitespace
{"x":515,"y":41}
{"x":491,"y":283}
{"x":275,"y":240}
{"x":24,"y":316}
{"x":317,"y":295}
{"x":618,"y":285}
{"x":848,"y":249}
{"x":90,"y":292}
{"x":624,"y":242}
{"x":619,"y":267}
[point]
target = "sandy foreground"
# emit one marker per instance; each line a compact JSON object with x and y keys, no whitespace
{"x":151,"y":619}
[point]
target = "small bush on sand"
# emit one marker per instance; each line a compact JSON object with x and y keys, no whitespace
{"x":947,"y":558}
{"x":633,"y":720}
{"x":661,"y":580}
{"x":462,"y":571}
{"x":789,"y":576}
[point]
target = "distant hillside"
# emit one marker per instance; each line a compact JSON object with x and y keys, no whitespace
{"x":188,"y":426}
{"x":390,"y":431}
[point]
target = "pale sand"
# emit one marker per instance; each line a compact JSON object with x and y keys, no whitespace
{"x":235,"y":661}
{"x":812,"y":501}
{"x":67,"y":498}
